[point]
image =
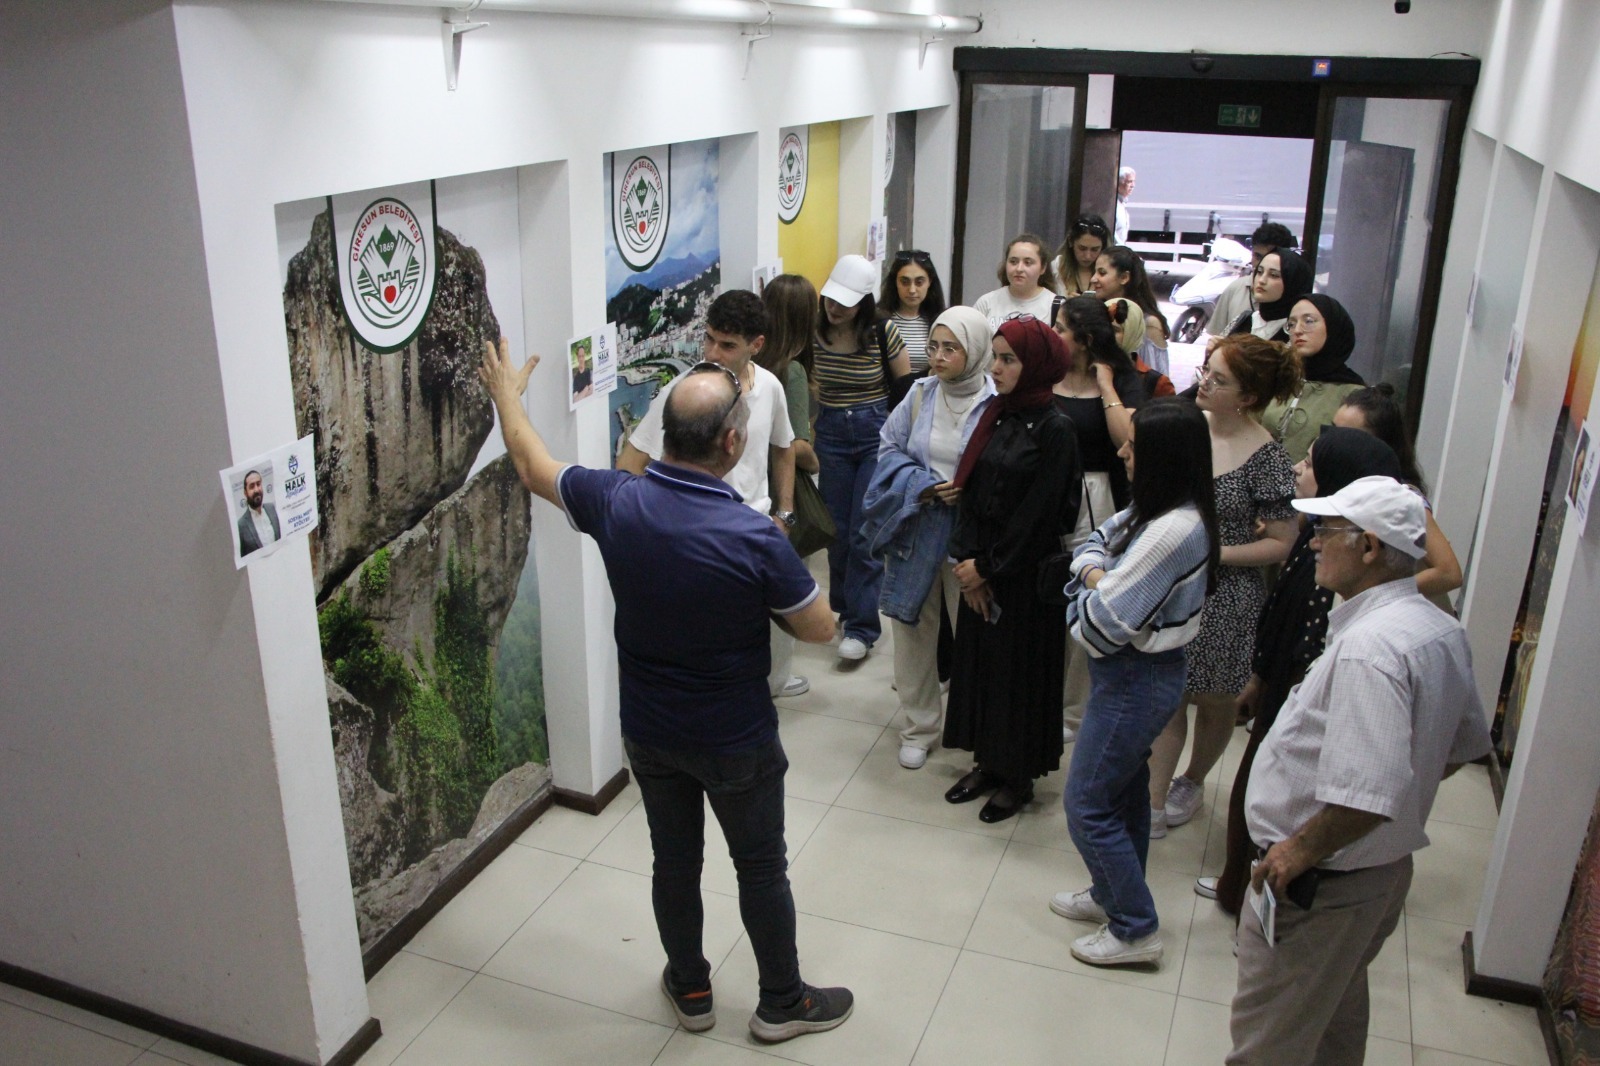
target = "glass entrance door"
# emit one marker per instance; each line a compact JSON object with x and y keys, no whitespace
{"x":1016,"y":171}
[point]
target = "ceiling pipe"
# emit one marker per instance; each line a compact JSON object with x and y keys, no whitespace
{"x":748,"y":12}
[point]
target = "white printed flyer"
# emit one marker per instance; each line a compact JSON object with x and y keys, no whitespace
{"x":271,"y":498}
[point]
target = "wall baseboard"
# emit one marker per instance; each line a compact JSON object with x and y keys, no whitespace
{"x":1496,"y":987}
{"x":182,"y":1032}
{"x":389,"y":944}
{"x":580,"y":801}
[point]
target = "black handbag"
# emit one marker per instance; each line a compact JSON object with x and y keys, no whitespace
{"x":813,"y":527}
{"x":1055,"y":571}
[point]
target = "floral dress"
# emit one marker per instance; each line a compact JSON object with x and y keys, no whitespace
{"x":1259,"y":488}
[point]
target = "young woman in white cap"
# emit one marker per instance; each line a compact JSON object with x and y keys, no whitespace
{"x":853,"y":372}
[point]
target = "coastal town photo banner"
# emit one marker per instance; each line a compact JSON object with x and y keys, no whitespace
{"x":663,"y":268}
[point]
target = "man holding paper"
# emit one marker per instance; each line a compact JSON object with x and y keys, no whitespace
{"x":1340,"y":792}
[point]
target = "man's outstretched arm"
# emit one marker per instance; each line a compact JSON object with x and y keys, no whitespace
{"x":535,"y":465}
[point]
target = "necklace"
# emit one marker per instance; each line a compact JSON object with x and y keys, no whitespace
{"x":955,"y":412}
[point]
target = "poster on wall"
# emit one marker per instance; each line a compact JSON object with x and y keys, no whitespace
{"x":271,"y":498}
{"x":657,"y":294}
{"x":792,"y":171}
{"x":1580,"y":485}
{"x":592,"y":364}
{"x":808,"y":200}
{"x":426,"y":591}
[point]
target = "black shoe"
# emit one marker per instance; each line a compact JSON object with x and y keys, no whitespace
{"x":1003,"y":804}
{"x":971,"y":787}
{"x":692,"y":1008}
{"x":818,"y":1010}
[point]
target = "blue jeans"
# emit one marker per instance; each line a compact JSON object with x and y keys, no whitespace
{"x":847,"y":452}
{"x":746,"y":794}
{"x":1131,"y":696}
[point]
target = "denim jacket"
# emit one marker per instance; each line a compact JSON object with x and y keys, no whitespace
{"x":912,"y":538}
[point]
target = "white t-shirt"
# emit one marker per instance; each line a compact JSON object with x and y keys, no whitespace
{"x":999,"y":305}
{"x":769,"y":427}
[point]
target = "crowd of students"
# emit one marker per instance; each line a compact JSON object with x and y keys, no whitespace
{"x":1071,"y":554}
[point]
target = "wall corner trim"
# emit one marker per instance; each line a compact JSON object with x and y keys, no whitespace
{"x":1478,"y":984}
{"x":579,"y":801}
{"x":182,"y":1032}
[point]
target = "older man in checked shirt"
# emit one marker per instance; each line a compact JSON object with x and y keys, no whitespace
{"x":1340,"y":792}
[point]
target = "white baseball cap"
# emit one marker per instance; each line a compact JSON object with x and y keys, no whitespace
{"x":853,"y":277}
{"x":1382,"y":506}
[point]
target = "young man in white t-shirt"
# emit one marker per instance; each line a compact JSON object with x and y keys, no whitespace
{"x":737,"y":325}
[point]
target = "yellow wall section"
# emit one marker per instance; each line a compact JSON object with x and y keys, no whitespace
{"x":1585,"y":358}
{"x":810,"y":244}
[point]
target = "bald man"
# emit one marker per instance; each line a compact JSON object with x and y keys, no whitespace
{"x":696,"y":576}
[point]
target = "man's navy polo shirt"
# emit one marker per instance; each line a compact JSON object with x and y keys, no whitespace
{"x":696,"y":575}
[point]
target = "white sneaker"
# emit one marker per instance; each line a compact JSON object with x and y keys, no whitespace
{"x":795,"y":686}
{"x":1183,"y":800}
{"x":852,"y":648}
{"x":913,"y":757}
{"x":1158,"y":824}
{"x":1068,"y":734}
{"x":1079,"y":906}
{"x":1205,"y":887}
{"x":1102,"y":948}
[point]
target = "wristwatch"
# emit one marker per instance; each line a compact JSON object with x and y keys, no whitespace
{"x":786,"y":517}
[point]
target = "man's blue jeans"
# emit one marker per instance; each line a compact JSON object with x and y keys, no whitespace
{"x":1131,"y":696}
{"x":746,"y":794}
{"x":847,"y":453}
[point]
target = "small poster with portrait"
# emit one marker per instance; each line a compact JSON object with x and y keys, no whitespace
{"x":270,"y":499}
{"x":1580,"y":486}
{"x":591,"y":365}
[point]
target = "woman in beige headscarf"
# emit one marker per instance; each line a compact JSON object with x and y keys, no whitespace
{"x":910,"y":511}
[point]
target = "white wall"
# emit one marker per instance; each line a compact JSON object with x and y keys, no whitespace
{"x":147,"y":753}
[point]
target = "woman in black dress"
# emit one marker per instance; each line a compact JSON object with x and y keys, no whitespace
{"x":1020,"y":483}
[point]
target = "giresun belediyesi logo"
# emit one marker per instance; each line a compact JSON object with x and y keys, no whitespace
{"x":388,"y":259}
{"x":641,"y":212}
{"x":791,"y":177}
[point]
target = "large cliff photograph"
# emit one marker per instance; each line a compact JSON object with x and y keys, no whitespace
{"x":663,"y":268}
{"x":427,"y":597}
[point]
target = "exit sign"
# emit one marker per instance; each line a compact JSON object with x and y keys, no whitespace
{"x":1240,"y":116}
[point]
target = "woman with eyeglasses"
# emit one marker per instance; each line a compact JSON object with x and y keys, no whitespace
{"x":1019,"y":487}
{"x":1074,"y":262}
{"x":910,"y":511}
{"x":1027,"y":285}
{"x":854,"y":371}
{"x":1253,"y":482}
{"x":1323,"y":336}
{"x":1137,"y":592}
{"x":1120,"y":273}
{"x":912,"y":298}
{"x":1289,"y":634}
{"x":1375,"y":410}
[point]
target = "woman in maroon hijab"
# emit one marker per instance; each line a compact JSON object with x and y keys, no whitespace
{"x":1020,"y":483}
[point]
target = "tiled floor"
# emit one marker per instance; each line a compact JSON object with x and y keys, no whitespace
{"x":938,"y":922}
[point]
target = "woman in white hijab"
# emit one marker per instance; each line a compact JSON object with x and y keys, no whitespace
{"x":910,"y":511}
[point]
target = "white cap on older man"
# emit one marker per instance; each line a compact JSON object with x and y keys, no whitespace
{"x":1390,"y":511}
{"x":853,"y":277}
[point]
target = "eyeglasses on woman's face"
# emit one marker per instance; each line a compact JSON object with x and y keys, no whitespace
{"x":1211,"y":381}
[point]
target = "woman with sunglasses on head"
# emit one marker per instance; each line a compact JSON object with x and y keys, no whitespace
{"x":854,"y":372}
{"x":1138,"y":588}
{"x":1323,"y":336}
{"x":1119,"y":273}
{"x":912,"y":298}
{"x":1098,"y":394}
{"x":1375,"y":410}
{"x":1073,"y":265}
{"x":1019,"y":484}
{"x":1289,"y":635}
{"x":1027,"y":285}
{"x":910,"y":512}
{"x":1253,"y":482}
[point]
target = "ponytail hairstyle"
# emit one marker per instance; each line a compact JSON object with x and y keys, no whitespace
{"x":1125,"y":260}
{"x":1265,"y":370}
{"x":1172,"y":469}
{"x":1386,"y":420}
{"x":1047,"y":277}
{"x":1089,"y":322}
{"x":792,"y":304}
